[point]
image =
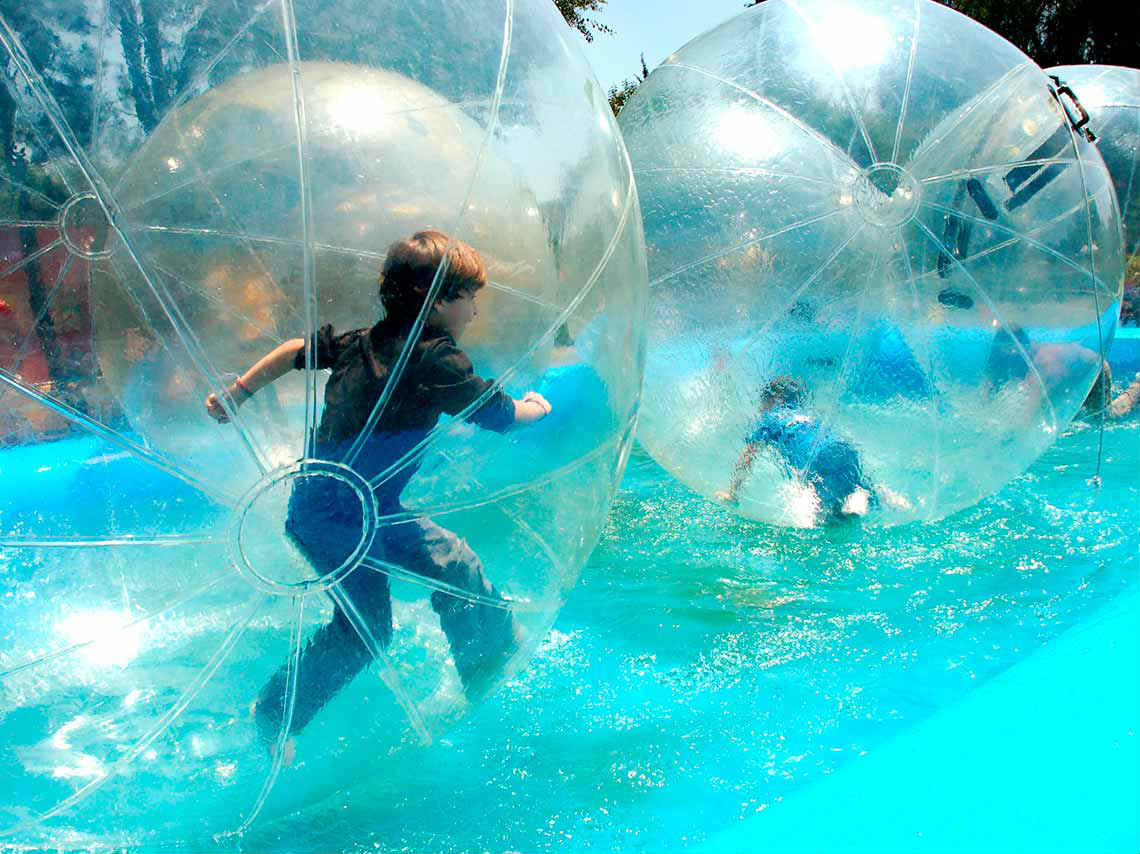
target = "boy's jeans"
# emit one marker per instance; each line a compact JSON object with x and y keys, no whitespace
{"x":482,"y":637}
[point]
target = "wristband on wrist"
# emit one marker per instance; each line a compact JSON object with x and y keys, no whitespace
{"x":531,"y":397}
{"x":239,"y":384}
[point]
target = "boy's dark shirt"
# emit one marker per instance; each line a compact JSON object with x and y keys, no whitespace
{"x":438,"y":379}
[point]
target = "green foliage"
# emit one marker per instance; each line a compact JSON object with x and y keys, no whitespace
{"x":579,"y":14}
{"x":621,"y":93}
{"x":1130,"y":308}
{"x":1063,"y":32}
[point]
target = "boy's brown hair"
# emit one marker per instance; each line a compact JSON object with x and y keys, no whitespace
{"x":411,"y":265}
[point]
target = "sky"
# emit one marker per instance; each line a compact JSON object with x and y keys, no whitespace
{"x":657,"y":27}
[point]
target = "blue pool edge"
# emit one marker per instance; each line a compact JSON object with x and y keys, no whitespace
{"x":1043,"y":757}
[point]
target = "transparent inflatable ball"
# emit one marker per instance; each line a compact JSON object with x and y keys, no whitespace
{"x":217,"y":606}
{"x":883,"y":261}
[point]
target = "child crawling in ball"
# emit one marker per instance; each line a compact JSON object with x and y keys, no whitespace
{"x":826,"y":463}
{"x":438,"y":378}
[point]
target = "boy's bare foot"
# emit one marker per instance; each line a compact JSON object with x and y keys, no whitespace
{"x":895,"y":500}
{"x":288,"y":752}
{"x":857,"y":503}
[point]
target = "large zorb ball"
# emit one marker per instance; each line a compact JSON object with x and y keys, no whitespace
{"x":189,"y":187}
{"x":888,"y":204}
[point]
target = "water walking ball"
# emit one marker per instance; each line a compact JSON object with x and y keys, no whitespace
{"x":185,"y":194}
{"x":888,"y":208}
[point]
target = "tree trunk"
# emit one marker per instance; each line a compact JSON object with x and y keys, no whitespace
{"x":132,"y":54}
{"x":152,"y":49}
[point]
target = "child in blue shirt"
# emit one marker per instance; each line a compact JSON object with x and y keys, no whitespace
{"x":824,"y":461}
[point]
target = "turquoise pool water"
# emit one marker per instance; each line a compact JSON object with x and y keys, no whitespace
{"x":706,"y":668}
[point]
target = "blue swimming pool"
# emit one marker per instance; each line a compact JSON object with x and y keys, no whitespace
{"x":707,"y":670}
{"x":713,"y":682}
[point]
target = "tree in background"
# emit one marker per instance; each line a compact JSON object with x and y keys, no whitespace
{"x":621,"y":93}
{"x":1130,"y":306}
{"x":1063,"y":32}
{"x":1060,"y":32}
{"x":31,"y":191}
{"x":579,"y":14}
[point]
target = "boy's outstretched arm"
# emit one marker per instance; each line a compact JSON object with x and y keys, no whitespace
{"x":743,"y":467}
{"x":274,"y":364}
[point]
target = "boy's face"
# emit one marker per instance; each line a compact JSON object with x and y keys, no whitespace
{"x":454,"y":315}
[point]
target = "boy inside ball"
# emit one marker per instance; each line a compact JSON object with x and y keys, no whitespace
{"x":324,"y":517}
{"x":826,"y":463}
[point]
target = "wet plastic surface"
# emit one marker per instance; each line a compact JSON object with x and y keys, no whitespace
{"x":1025,"y":763}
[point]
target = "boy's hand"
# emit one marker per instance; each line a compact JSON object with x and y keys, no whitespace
{"x":536,"y":398}
{"x":533,"y":407}
{"x":235,"y":397}
{"x":724,"y":496}
{"x":1124,"y":402}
